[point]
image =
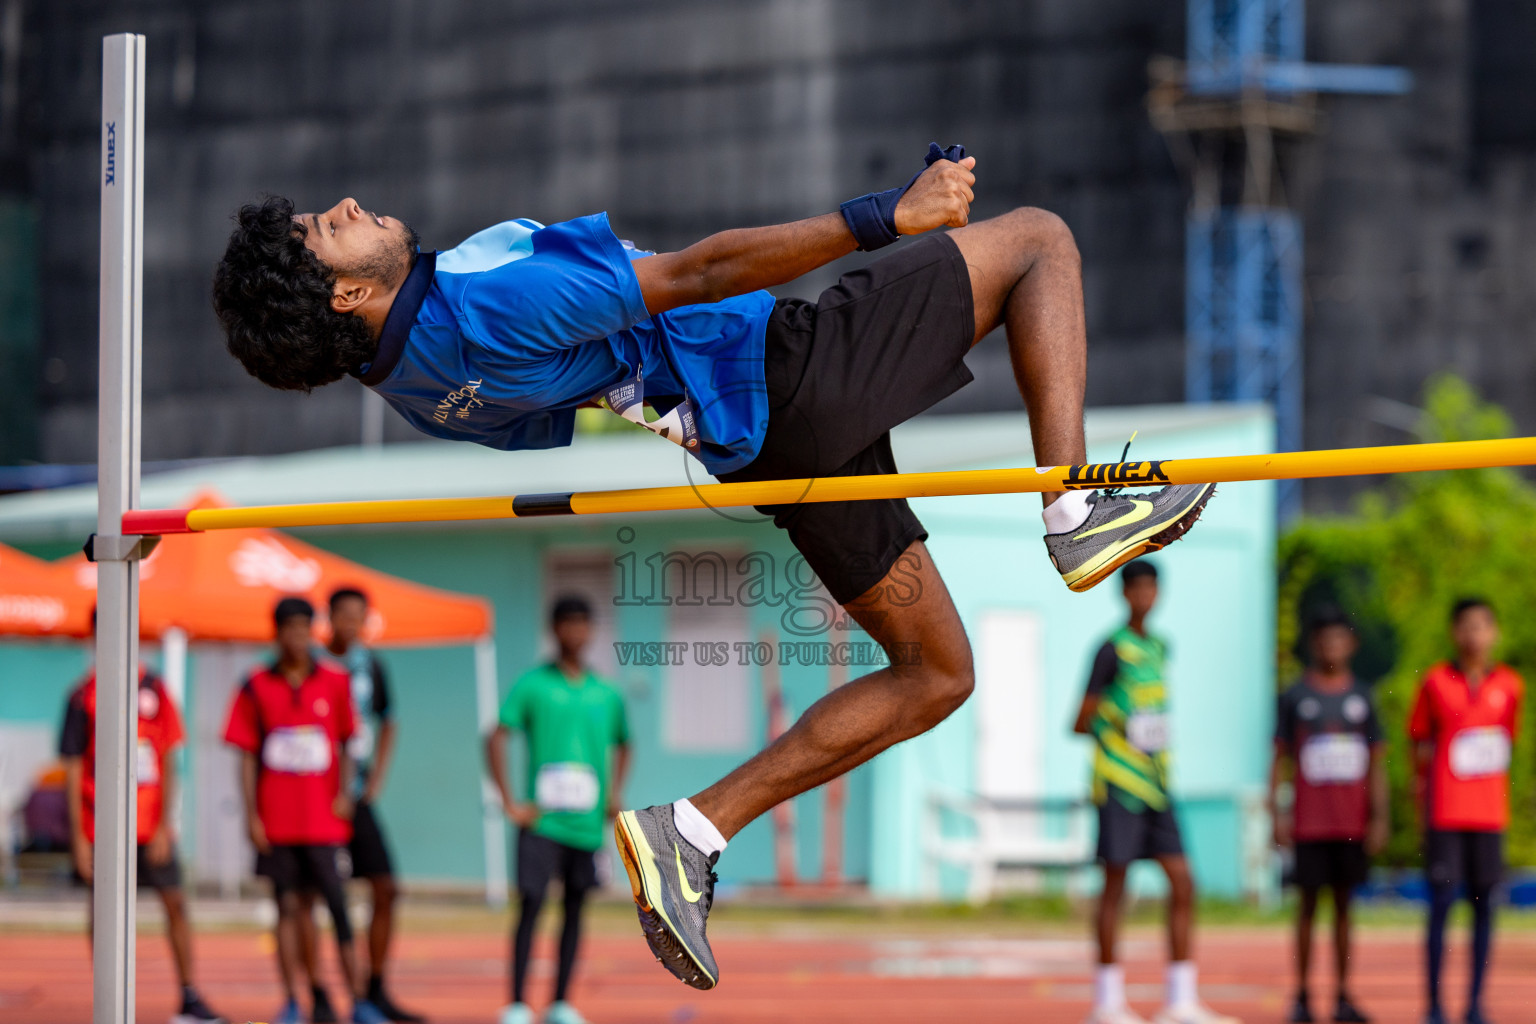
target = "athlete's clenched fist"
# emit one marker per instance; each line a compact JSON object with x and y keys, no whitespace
{"x":939,"y":198}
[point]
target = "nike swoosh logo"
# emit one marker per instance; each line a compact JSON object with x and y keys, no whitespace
{"x":682,"y":876}
{"x":1139,"y":511}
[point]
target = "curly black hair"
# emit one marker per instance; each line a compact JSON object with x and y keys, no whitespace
{"x":273,"y":297}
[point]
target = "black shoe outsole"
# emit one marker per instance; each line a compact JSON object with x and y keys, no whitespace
{"x":670,"y":953}
{"x":1181,"y":526}
{"x":665,"y":946}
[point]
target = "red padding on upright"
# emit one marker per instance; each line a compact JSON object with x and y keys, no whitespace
{"x":154,"y":521}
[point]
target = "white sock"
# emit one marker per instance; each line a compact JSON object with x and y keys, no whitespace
{"x":1066,"y":513}
{"x":1109,"y":987}
{"x":696,"y":828}
{"x":1182,"y":986}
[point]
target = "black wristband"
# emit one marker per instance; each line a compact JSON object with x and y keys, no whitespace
{"x":872,"y":218}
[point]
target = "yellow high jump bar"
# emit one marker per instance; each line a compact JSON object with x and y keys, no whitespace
{"x":1408,"y":458}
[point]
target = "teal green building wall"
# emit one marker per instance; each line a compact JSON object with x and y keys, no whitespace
{"x":35,"y":679}
{"x":432,"y":803}
{"x":1217,"y":610}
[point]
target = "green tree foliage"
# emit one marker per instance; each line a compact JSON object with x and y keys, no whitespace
{"x":1415,"y":544}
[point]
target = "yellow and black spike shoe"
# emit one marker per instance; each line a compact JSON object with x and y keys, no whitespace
{"x":674,"y":886}
{"x":1121,"y":527}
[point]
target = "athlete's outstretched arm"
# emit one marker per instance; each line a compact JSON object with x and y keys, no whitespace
{"x":746,"y":259}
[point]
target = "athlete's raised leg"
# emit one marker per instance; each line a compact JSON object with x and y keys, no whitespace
{"x":1027,"y":277}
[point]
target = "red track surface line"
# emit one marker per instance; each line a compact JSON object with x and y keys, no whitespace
{"x":461,"y":979}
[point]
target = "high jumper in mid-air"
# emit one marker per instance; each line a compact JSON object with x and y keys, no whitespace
{"x":502,"y":338}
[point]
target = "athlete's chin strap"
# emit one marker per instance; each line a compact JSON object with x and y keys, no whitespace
{"x":627,"y":398}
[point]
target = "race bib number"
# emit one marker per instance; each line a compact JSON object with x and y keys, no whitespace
{"x":360,"y":746}
{"x":1147,"y":731}
{"x":566,"y":786}
{"x":148,"y":764}
{"x":297,"y":750}
{"x":1477,"y":753}
{"x":1334,"y":759}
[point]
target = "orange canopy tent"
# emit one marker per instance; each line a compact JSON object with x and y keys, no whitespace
{"x":39,"y":598}
{"x":223,"y":585}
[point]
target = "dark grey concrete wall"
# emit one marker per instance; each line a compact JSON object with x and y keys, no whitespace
{"x":682,"y":117}
{"x":1421,"y":240}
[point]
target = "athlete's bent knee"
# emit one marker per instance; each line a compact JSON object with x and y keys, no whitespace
{"x":1045,"y":232}
{"x":946,"y":685}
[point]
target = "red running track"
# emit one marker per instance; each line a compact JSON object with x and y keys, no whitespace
{"x":460,"y":978}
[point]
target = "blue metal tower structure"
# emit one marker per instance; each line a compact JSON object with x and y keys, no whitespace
{"x":1246,"y":81}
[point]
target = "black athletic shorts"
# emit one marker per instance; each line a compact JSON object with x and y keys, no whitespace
{"x":368,"y":850}
{"x":1331,"y":864}
{"x":1126,"y":835}
{"x":1474,"y":859}
{"x":151,"y":875}
{"x":319,"y":868}
{"x":155,"y":876}
{"x":158,"y":876}
{"x":885,"y":343}
{"x":541,"y":860}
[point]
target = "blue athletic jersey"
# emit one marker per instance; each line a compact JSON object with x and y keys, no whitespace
{"x":499,"y":340}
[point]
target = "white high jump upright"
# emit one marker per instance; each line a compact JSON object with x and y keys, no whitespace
{"x":117,"y":577}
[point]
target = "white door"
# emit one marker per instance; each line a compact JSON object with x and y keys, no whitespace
{"x":1010,"y":704}
{"x":707,"y":699}
{"x":1010,"y":747}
